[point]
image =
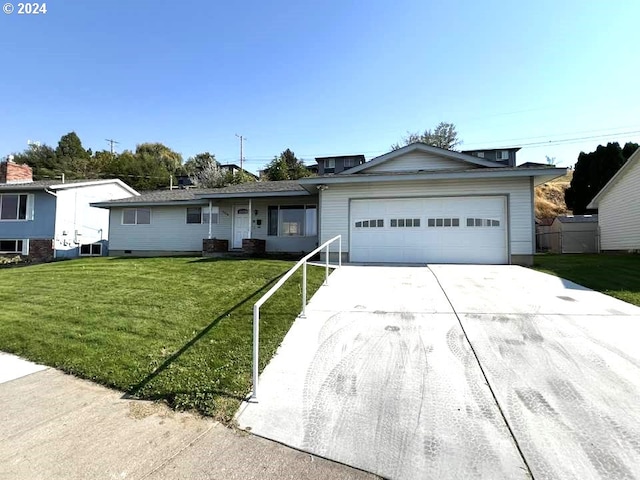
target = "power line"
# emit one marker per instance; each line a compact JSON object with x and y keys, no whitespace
{"x":111,"y":142}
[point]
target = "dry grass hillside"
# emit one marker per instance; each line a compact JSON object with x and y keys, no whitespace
{"x":549,"y":197}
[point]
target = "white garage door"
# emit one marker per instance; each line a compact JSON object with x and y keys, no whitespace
{"x":431,"y":230}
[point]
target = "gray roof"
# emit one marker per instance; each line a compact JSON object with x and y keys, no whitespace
{"x":281,"y":186}
{"x":199,"y":196}
{"x":38,"y":184}
{"x":577,"y":218}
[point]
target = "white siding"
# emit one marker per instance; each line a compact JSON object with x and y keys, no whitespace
{"x":414,"y":161}
{"x":334,"y":204}
{"x":169,"y":231}
{"x":619,"y":213}
{"x":79,"y":223}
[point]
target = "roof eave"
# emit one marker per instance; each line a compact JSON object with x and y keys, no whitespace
{"x":294,"y":193}
{"x":147,"y":203}
{"x":540,"y":176}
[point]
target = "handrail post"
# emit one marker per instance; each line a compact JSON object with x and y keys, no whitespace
{"x":256,"y":342}
{"x":340,"y":251}
{"x":326,"y":266}
{"x":304,"y":290}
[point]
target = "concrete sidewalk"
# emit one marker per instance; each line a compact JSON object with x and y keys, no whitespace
{"x":55,"y":426}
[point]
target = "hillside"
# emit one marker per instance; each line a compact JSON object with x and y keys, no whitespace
{"x":549,"y":197}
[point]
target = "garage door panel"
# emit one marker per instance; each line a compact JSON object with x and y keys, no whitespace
{"x":485,"y":243}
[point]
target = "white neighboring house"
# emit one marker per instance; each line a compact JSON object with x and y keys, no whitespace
{"x":618,"y":205}
{"x":46,"y":219}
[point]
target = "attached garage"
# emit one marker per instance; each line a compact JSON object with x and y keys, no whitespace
{"x":430,"y":230}
{"x":422,"y":204}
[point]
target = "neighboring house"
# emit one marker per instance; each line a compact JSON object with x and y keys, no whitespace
{"x":234,"y":169}
{"x":618,"y":205}
{"x":573,"y":234}
{"x":42,"y":220}
{"x":505,"y":156}
{"x":338,"y":164}
{"x":177,"y":221}
{"x":417,"y":204}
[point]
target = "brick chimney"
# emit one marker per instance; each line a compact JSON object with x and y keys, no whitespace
{"x":15,"y":173}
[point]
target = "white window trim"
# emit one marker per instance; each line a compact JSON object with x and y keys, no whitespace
{"x":28,"y":213}
{"x":330,"y":163}
{"x":480,"y":154}
{"x":90,"y":254}
{"x":503,"y":155}
{"x":136,"y":219}
{"x":304,"y":223}
{"x":25,"y":246}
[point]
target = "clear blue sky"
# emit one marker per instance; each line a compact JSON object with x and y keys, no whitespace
{"x":321,"y":78}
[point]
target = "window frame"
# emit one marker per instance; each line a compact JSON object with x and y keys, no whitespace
{"x":135,"y":220}
{"x":21,"y":246}
{"x":277,"y":232}
{"x":91,"y":252}
{"x":20,"y":205}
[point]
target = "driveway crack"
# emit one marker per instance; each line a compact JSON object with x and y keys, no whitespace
{"x":484,"y":374}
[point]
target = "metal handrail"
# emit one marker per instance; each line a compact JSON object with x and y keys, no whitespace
{"x":256,"y":307}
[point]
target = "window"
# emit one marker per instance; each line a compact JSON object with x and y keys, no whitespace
{"x":14,"y":246}
{"x":480,"y":154}
{"x":330,"y":163}
{"x":200,"y":215}
{"x":91,"y":249}
{"x":482,"y":222}
{"x":405,"y":222}
{"x":502,"y":155}
{"x":443,"y":222}
{"x":292,"y":220}
{"x":376,"y":223}
{"x":136,"y":216}
{"x":13,"y":207}
{"x":348,"y":162}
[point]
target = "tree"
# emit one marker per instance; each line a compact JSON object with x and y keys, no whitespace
{"x":141,"y":172}
{"x":593,"y":171}
{"x":42,"y":160}
{"x":286,"y":166}
{"x":71,"y":156}
{"x":170,"y":160}
{"x":443,"y":136}
{"x":197,"y":163}
{"x":209,"y":174}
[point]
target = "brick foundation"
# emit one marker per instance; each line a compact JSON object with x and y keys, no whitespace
{"x":253,"y":246}
{"x":214,"y":245}
{"x":41,"y":250}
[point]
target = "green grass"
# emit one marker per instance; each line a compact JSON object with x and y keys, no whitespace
{"x":615,"y":275}
{"x":173,"y":329}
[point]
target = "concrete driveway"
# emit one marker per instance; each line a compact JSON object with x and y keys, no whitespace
{"x":452,"y":371}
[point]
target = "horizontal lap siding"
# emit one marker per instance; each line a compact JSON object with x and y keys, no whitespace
{"x":417,"y":161}
{"x":335,"y":204}
{"x":169,"y":230}
{"x":619,"y":213}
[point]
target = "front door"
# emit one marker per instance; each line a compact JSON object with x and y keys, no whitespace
{"x":241,"y":221}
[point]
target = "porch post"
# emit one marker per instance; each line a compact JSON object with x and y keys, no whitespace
{"x":250,"y":218}
{"x":209,"y":219}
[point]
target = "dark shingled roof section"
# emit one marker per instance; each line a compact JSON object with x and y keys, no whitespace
{"x":191,"y":194}
{"x":158,"y":196}
{"x":39,"y":184}
{"x":259,"y":187}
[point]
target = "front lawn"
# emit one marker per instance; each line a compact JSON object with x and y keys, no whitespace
{"x":615,"y":275}
{"x":174,"y":329}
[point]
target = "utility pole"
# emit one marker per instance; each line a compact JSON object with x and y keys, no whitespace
{"x":111,"y":142}
{"x":242,"y":139}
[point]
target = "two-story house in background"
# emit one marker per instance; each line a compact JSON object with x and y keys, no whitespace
{"x":337,"y":164}
{"x":506,"y":156}
{"x":47,"y":219}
